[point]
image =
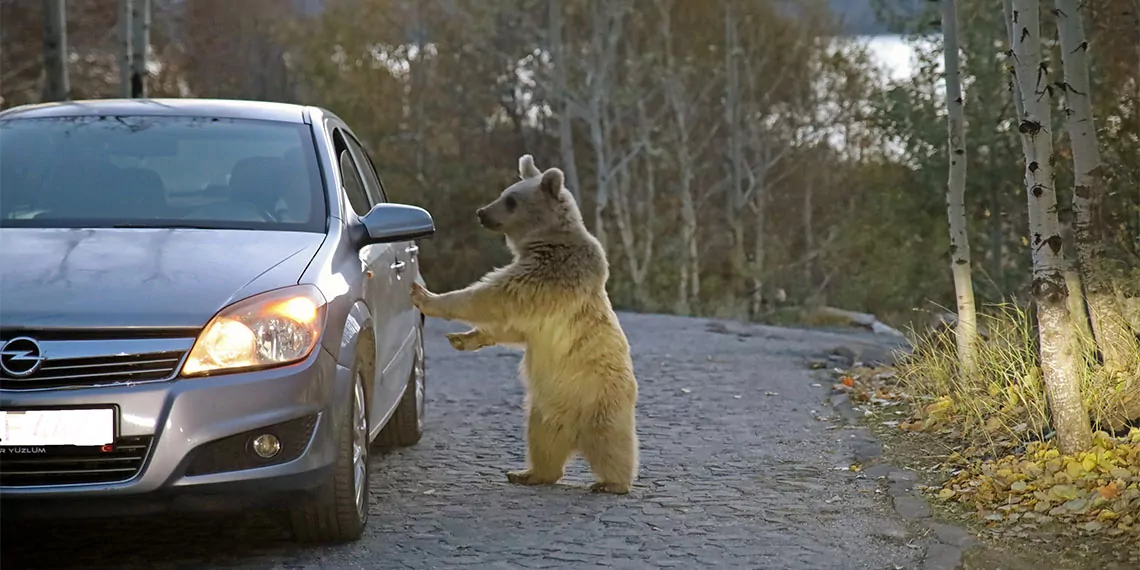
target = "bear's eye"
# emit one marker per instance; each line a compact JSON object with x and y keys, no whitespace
{"x":511,"y":203}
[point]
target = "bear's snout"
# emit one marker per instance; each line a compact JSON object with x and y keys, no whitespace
{"x":483,"y":219}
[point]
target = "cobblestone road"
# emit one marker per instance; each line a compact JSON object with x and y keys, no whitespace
{"x":739,"y":470}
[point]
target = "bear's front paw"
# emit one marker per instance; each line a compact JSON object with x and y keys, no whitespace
{"x":422,"y":298}
{"x":466,"y":342}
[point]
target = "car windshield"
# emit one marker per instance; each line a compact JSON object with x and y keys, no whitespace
{"x":163,"y":172}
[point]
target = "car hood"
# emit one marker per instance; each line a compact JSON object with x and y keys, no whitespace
{"x":111,"y":278}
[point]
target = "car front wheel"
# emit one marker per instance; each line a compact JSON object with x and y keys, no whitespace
{"x":341,"y":512}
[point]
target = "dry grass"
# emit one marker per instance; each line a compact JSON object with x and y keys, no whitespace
{"x":1004,"y":407}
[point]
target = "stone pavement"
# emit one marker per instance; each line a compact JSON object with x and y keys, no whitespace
{"x":743,"y":466}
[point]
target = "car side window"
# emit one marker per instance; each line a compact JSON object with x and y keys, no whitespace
{"x":371,"y":179}
{"x":350,"y":175}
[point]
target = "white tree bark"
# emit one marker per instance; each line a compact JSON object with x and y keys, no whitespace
{"x":1114,"y":339}
{"x":1055,"y":330}
{"x":1076,"y":299}
{"x":967,"y":327}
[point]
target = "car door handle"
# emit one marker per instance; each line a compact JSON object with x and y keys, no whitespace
{"x":412,"y":249}
{"x":399,"y":266}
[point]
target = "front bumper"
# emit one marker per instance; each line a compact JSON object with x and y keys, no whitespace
{"x":196,"y":430}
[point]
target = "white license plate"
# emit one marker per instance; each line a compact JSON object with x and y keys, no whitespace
{"x":57,"y":427}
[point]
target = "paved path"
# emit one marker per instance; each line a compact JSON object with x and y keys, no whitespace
{"x":738,"y":471}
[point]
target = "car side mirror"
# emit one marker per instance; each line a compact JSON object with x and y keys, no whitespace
{"x":387,"y":223}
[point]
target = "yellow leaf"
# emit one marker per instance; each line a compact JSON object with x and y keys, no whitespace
{"x":1089,"y":463}
{"x":946,"y":494}
{"x":1075,"y":469}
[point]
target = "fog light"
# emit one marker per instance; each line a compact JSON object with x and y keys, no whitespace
{"x":266,"y":445}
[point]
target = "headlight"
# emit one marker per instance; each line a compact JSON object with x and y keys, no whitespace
{"x":271,"y":329}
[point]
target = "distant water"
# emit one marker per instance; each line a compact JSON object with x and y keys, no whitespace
{"x":893,"y":53}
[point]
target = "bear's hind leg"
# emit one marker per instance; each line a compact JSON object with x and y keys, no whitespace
{"x":611,"y":451}
{"x":548,"y":448}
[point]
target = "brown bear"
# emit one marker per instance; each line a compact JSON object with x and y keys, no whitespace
{"x":551,"y":301}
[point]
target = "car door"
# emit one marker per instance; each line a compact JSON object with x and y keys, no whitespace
{"x":404,"y":314}
{"x":380,"y":264}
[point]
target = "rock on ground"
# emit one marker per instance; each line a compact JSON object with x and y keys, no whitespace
{"x":741,"y":467}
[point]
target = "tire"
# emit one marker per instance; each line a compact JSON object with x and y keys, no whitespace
{"x":406,"y":426}
{"x":341,"y":512}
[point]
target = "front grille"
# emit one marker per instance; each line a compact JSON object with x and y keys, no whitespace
{"x":64,"y":465}
{"x":96,"y":371}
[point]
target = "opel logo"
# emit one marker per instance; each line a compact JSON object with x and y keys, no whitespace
{"x":21,"y":357}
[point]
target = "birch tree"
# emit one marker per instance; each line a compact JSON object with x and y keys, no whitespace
{"x":607,"y":22}
{"x":635,"y":209}
{"x":567,"y":110}
{"x":967,"y":323}
{"x":1114,"y":339}
{"x":689,"y":269}
{"x":1055,"y":330}
{"x":754,"y":76}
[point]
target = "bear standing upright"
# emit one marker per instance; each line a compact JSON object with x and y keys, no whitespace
{"x":552,"y":301}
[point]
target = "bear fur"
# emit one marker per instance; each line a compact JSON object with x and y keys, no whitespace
{"x":551,"y":301}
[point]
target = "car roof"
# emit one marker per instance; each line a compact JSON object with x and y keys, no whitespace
{"x":207,"y":108}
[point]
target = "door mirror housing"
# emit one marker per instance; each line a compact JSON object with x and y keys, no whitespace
{"x":387,"y":223}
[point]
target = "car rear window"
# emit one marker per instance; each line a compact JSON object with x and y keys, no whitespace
{"x":146,"y":171}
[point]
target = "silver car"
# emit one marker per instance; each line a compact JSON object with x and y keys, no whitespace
{"x":204,"y":305}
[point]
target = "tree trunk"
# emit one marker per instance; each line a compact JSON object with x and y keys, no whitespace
{"x":1055,"y":329}
{"x":140,"y":41}
{"x":756,"y":263}
{"x":126,"y":28}
{"x":809,"y":235}
{"x":565,"y":116}
{"x":689,"y":287}
{"x":733,"y":196}
{"x":601,"y":163}
{"x":57,"y":86}
{"x":967,"y":328}
{"x":1116,"y":343}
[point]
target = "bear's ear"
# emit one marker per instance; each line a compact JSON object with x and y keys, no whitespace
{"x":551,"y":183}
{"x":527,"y":169}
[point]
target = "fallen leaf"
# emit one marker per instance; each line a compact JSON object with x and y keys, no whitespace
{"x":1109,"y":491}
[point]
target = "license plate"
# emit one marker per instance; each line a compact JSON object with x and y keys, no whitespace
{"x":57,"y":427}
